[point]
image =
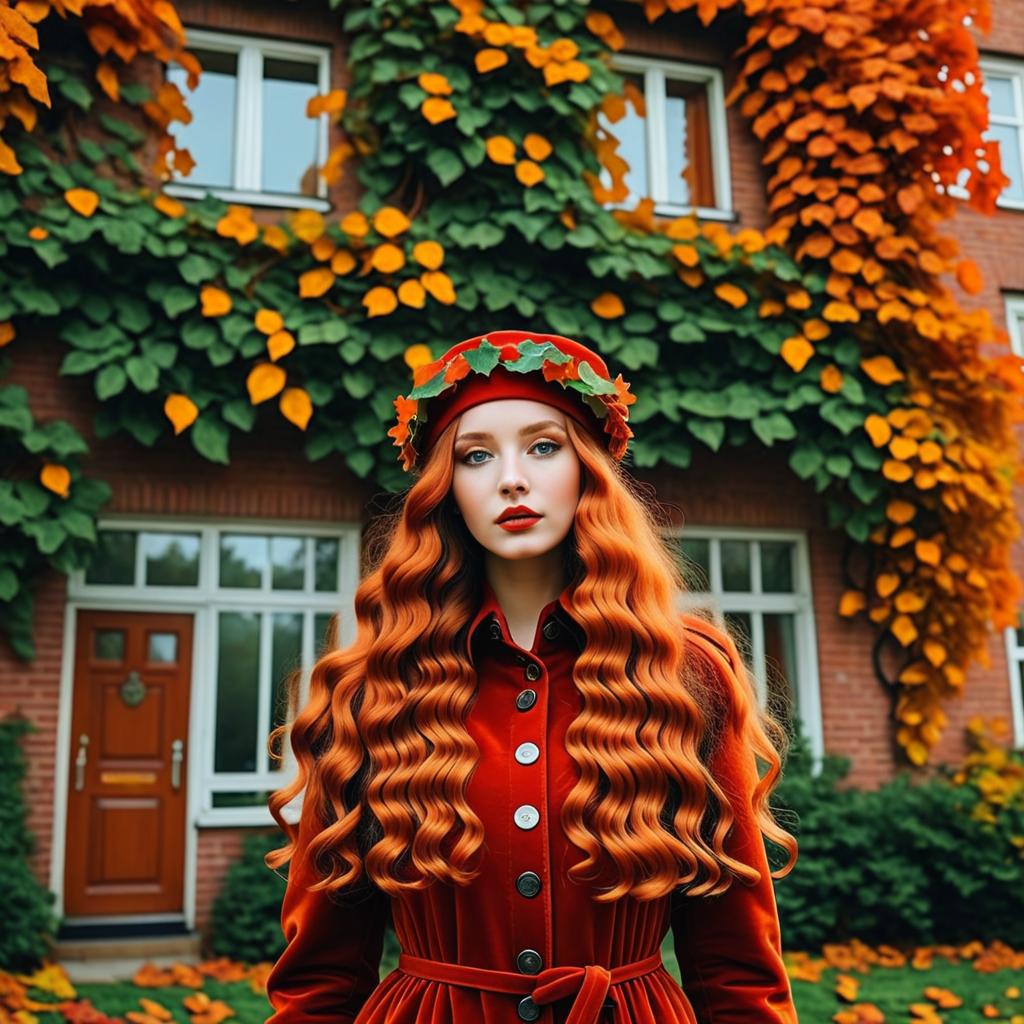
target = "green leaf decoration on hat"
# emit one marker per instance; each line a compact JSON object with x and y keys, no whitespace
{"x":484,"y":358}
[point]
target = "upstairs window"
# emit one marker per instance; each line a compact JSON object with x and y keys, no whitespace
{"x":249,"y":134}
{"x":673,"y":136}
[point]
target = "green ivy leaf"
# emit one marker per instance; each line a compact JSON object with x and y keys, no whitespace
{"x":210,"y":438}
{"x":110,"y":381}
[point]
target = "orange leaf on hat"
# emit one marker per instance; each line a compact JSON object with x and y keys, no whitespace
{"x":457,"y":369}
{"x":421,"y":374}
{"x":569,"y":370}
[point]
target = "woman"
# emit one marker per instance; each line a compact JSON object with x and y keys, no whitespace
{"x":528,"y":760}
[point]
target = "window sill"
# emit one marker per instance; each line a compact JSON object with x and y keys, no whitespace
{"x":241,"y":817}
{"x":248,"y":198}
{"x":671,"y":210}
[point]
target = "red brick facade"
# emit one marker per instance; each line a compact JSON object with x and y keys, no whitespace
{"x":269,"y":477}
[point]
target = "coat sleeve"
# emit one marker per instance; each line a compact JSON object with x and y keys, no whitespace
{"x":729,"y":946}
{"x":331,"y":963}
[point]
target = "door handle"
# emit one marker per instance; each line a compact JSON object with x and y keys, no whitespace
{"x":83,"y":743}
{"x":177,"y":754}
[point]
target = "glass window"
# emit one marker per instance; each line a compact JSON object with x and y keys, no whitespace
{"x":238,"y":687}
{"x":171,"y":559}
{"x":163,"y":647}
{"x":290,"y":139}
{"x":735,"y":565}
{"x":288,"y":563}
{"x":688,"y":144}
{"x":114,"y":559}
{"x":776,"y":566}
{"x":326,"y":555}
{"x":243,"y":559}
{"x":108,"y":644}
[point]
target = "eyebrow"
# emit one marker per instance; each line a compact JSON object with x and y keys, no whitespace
{"x":532,"y":428}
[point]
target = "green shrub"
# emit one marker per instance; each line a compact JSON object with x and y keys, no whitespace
{"x":29,"y":925}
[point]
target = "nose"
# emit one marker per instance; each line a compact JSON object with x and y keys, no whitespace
{"x":512,"y":480}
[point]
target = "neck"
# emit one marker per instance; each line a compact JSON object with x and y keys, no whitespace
{"x":524,"y":586}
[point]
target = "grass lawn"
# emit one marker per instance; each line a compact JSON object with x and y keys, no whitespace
{"x":848,"y":984}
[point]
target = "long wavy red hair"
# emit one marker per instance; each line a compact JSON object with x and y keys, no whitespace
{"x":382,"y":748}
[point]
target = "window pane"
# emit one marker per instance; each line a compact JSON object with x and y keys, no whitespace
{"x":114,"y":560}
{"x":777,"y":566}
{"x":630,"y":130}
{"x":697,"y":563}
{"x":289,"y":136}
{"x":738,"y":624}
{"x":254,"y":798}
{"x":321,"y":632}
{"x":163,"y":648}
{"x":285,"y":658}
{"x":210,"y":135}
{"x":735,"y":565}
{"x":171,"y":559}
{"x":1008,"y":138}
{"x":780,"y":657}
{"x":238,"y":685}
{"x":243,"y":557}
{"x":108,"y":644}
{"x":326,"y":555}
{"x":1001,"y":100}
{"x":288,"y":563}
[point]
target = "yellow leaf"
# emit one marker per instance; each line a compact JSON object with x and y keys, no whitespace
{"x":307,"y":225}
{"x":180,"y":410}
{"x":831,"y":379}
{"x":501,"y":149}
{"x":934,"y":651}
{"x":412,"y":293}
{"x":323,"y":248}
{"x":886,"y":583}
{"x":878,"y":429}
{"x":316,"y":282}
{"x":735,"y":297}
{"x":82,"y":200}
{"x":169,"y":207}
{"x":268,"y":321}
{"x":216,"y":302}
{"x":851,"y":602}
{"x":439,"y":285}
{"x":387,"y":258}
{"x":428,"y":254}
{"x":355,"y":224}
{"x":296,"y":406}
{"x":380,"y":301}
{"x":490,"y":59}
{"x":343,"y":262}
{"x":6,"y":333}
{"x":529,"y":173}
{"x":436,"y":110}
{"x":436,"y":85}
{"x":881,"y":369}
{"x":264,"y":381}
{"x":55,"y":478}
{"x":686,"y":254}
{"x":796,"y":351}
{"x":608,"y":306}
{"x":903,"y":629}
{"x":536,"y":146}
{"x":841,"y":312}
{"x":389,"y":221}
{"x":279,"y":344}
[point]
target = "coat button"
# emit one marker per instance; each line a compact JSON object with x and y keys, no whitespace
{"x":520,"y":659}
{"x":526,"y":699}
{"x":551,"y":629}
{"x":528,"y":1009}
{"x":529,"y":961}
{"x":495,"y":631}
{"x":526,"y":816}
{"x":527,"y":753}
{"x":533,"y":671}
{"x":528,"y":884}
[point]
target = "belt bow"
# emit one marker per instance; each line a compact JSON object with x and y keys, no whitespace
{"x":589,"y":984}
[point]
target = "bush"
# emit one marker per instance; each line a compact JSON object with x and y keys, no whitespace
{"x":29,"y":925}
{"x":904,"y":864}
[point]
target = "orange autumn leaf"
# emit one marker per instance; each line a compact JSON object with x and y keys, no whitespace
{"x":268,"y":321}
{"x":55,"y":478}
{"x":380,"y":301}
{"x":831,"y":379}
{"x":389,"y":221}
{"x":501,"y":149}
{"x":536,"y":146}
{"x":264,"y":381}
{"x":851,"y":602}
{"x":7,"y":334}
{"x":82,"y":200}
{"x":796,"y":351}
{"x":528,"y":173}
{"x":387,"y":258}
{"x":608,"y":306}
{"x":878,"y":429}
{"x":969,"y":277}
{"x":295,"y":406}
{"x":417,"y":355}
{"x":881,"y":369}
{"x":439,"y":285}
{"x":215,"y":301}
{"x":155,"y":1009}
{"x":181,"y":411}
{"x":412,"y":293}
{"x":343,"y":262}
{"x":428,"y":254}
{"x":435,"y":84}
{"x":279,"y":344}
{"x":435,"y":109}
{"x":316,"y":282}
{"x":169,"y":207}
{"x":734,"y":296}
{"x":490,"y":60}
{"x":840,"y":312}
{"x":355,"y":224}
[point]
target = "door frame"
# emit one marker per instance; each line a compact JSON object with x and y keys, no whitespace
{"x":62,"y":759}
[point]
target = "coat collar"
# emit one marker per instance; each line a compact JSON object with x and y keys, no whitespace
{"x":490,"y":610}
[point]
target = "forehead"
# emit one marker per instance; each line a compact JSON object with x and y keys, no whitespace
{"x":507,"y":416}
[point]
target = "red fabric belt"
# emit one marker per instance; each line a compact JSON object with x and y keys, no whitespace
{"x":588,"y":984}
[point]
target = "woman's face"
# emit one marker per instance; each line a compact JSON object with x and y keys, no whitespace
{"x":509,"y":452}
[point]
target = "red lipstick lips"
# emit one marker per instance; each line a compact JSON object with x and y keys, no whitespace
{"x":518,"y":517}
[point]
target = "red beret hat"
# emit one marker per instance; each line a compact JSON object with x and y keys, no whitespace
{"x":512,"y":364}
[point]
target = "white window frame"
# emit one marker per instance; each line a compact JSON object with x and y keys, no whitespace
{"x":798,"y":602}
{"x":1014,"y":70}
{"x":1014,"y":658}
{"x":1015,"y":321}
{"x":655,"y":73}
{"x":247,"y":171}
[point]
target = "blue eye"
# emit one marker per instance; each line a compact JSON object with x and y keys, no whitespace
{"x":468,"y":459}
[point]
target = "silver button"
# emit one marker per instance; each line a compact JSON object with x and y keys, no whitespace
{"x":495,"y":631}
{"x":533,"y":671}
{"x":528,"y":1009}
{"x":525,"y":699}
{"x":529,"y":961}
{"x":527,"y":753}
{"x":527,"y":816}
{"x":528,"y":884}
{"x":551,"y":629}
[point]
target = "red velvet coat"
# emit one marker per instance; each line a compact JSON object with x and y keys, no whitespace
{"x":528,"y":943}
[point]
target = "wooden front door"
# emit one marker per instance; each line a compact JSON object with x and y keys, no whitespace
{"x":125,"y":849}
